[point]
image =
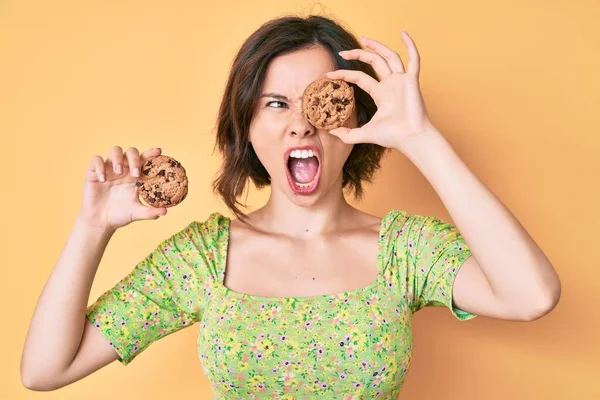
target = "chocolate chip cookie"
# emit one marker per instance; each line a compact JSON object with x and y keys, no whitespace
{"x":162,"y":182}
{"x":328,"y":103}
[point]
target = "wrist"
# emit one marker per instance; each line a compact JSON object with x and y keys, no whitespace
{"x":415,"y":145}
{"x":95,"y":229}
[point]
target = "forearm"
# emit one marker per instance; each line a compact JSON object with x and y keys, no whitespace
{"x":515,"y":267}
{"x":57,"y":324}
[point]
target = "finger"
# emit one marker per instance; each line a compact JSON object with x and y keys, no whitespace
{"x":393,"y":59}
{"x":151,"y":153}
{"x":96,"y":170}
{"x":133,"y":161}
{"x":351,"y":135}
{"x":141,"y":211}
{"x":116,"y":158}
{"x":414,"y":59}
{"x":379,"y":64}
{"x":364,"y":81}
{"x":146,"y":155}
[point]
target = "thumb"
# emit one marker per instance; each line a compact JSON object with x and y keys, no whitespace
{"x":350,"y":135}
{"x":141,"y":211}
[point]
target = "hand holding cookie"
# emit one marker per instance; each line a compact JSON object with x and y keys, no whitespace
{"x":113,"y":186}
{"x":401,"y":118}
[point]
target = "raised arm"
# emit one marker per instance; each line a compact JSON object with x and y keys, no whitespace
{"x":61,"y":345}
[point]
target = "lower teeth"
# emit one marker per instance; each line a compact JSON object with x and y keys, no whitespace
{"x":305,"y":185}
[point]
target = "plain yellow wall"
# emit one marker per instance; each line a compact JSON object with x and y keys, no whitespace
{"x":512,"y":85}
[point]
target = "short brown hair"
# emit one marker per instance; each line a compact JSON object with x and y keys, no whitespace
{"x":274,"y":38}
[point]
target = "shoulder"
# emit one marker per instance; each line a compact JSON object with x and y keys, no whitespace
{"x":402,"y":222}
{"x":399,"y":228}
{"x":394,"y":222}
{"x":213,"y":226}
{"x":214,"y":221}
{"x":204,"y":233}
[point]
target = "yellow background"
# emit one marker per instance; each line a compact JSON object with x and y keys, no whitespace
{"x":513,"y":86}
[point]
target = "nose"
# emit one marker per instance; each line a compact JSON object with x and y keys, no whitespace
{"x":300,"y":126}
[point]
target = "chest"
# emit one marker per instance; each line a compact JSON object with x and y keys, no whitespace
{"x":275,"y":267}
{"x":356,"y":345}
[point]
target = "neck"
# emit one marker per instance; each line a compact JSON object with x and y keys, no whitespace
{"x":305,"y":218}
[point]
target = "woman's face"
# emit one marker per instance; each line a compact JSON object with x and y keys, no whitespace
{"x":279,"y":125}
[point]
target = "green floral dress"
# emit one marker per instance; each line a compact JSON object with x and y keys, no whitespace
{"x":351,"y":345}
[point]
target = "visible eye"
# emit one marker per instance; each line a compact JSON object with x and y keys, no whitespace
{"x":280,"y":102}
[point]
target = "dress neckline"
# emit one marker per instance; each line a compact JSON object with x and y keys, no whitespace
{"x":326,"y":296}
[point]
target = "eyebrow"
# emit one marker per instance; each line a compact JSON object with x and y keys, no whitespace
{"x":275,"y":96}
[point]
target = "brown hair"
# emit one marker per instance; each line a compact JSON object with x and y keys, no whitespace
{"x":274,"y":38}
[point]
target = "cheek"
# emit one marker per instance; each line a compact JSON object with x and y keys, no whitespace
{"x":336,"y":150}
{"x":266,"y":127}
{"x":266,"y":142}
{"x":261,"y":131}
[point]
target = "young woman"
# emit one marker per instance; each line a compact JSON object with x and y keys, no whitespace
{"x":306,"y":297}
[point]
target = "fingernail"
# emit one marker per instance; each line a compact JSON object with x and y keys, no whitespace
{"x":136,"y":172}
{"x":102,"y":178}
{"x":119,"y":169}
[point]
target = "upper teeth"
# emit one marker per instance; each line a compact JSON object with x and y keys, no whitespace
{"x":301,"y":153}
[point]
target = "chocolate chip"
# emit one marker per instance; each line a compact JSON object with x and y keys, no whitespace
{"x":161,"y":172}
{"x":138,"y":183}
{"x":335,"y":85}
{"x":337,"y":100}
{"x":146,"y":171}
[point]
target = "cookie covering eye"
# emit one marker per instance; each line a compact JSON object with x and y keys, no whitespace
{"x":327,"y":103}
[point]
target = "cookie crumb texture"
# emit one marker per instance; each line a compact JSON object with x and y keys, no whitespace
{"x":328,"y":103}
{"x":163,"y":182}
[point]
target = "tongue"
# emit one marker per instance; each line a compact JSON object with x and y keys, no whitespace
{"x":303,"y":170}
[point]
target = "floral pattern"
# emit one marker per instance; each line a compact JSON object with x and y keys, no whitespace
{"x":350,"y":345}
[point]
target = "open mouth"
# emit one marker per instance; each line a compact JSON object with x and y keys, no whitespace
{"x":303,"y":170}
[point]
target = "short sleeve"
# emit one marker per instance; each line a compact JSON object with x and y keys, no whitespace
{"x":428,"y":253}
{"x":436,"y":252}
{"x":161,"y":295}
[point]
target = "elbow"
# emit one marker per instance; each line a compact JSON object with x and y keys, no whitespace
{"x":29,"y":383}
{"x":544,"y":303}
{"x":32,"y":384}
{"x":37,"y":386}
{"x":36,"y":383}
